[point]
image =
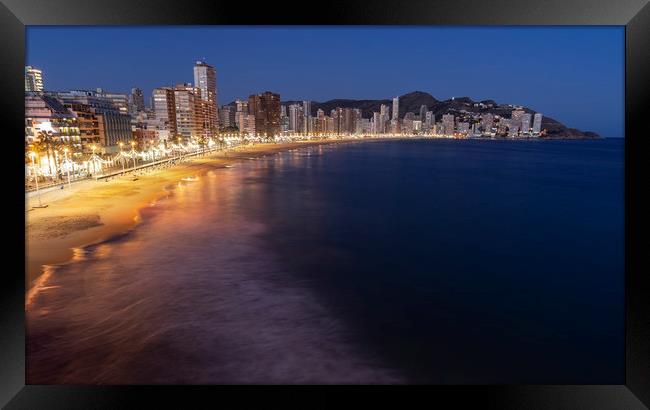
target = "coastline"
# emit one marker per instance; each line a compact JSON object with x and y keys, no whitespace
{"x":94,"y":211}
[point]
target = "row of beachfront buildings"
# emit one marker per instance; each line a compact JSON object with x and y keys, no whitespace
{"x":300,"y":118}
{"x":98,"y":119}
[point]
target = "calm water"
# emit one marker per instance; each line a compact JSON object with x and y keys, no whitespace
{"x":383,"y":262}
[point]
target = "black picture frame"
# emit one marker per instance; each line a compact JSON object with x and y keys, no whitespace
{"x":15,"y":15}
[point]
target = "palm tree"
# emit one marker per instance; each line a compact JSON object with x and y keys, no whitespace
{"x":66,"y":145}
{"x":45,"y":143}
{"x":216,"y":132}
{"x":202,"y":141}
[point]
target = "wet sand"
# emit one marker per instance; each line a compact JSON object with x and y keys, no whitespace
{"x":93,"y":211}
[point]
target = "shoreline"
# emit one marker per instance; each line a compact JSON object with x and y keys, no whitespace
{"x":92,"y":212}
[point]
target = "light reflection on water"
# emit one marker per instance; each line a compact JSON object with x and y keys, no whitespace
{"x":447,"y":262}
{"x":189,"y":296}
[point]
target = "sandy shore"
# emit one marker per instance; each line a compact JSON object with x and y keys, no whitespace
{"x":93,"y":211}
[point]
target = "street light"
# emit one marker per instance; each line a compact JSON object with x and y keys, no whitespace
{"x":133,"y":153}
{"x":93,"y":157}
{"x":122,"y":156}
{"x":65,"y":153}
{"x":32,"y":155}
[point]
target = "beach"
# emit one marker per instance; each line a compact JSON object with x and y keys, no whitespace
{"x":93,"y":211}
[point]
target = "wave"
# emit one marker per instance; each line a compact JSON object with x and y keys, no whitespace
{"x":189,"y":297}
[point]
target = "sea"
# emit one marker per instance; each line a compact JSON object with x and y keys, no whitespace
{"x":380,"y":262}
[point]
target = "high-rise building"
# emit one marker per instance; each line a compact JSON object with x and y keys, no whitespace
{"x":375,"y":122}
{"x":241,"y":111}
{"x":306,"y":112}
{"x":338,"y":121}
{"x":90,"y":123}
{"x":394,"y":126}
{"x":439,"y":128}
{"x":249,"y":125}
{"x":429,"y":120}
{"x":319,"y":122}
{"x":423,"y":112}
{"x":366,"y":126}
{"x":164,"y":107}
{"x":205,"y":79}
{"x":330,"y":128}
{"x":227,"y":116}
{"x":384,"y":117}
{"x":242,"y":106}
{"x":136,"y":101}
{"x":355,"y":121}
{"x":448,"y":124}
{"x":358,"y":126}
{"x":487,"y":122}
{"x":513,"y":125}
{"x":147,"y":130}
{"x":266,"y":109}
{"x":295,"y":118}
{"x":348,"y":120}
{"x":119,"y":100}
{"x":395,"y":108}
{"x":240,"y":120}
{"x":114,"y":119}
{"x":501,"y":126}
{"x":537,"y":123}
{"x":525,"y":123}
{"x":515,"y":121}
{"x":33,"y":79}
{"x":463,"y":128}
{"x":190,"y":112}
{"x":47,"y":114}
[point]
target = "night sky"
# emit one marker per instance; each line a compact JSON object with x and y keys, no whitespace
{"x":573,"y":74}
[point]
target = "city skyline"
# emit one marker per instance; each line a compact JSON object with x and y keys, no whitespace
{"x":562,"y":89}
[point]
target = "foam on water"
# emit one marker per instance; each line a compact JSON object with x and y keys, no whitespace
{"x":190,"y":296}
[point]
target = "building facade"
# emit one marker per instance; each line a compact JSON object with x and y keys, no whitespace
{"x":115,"y":122}
{"x":395,"y":108}
{"x":190,"y":112}
{"x":448,"y":124}
{"x":525,"y":123}
{"x":227,"y":116}
{"x":136,"y":101}
{"x":295,"y":118}
{"x":164,"y":108}
{"x":515,"y":122}
{"x":47,"y":116}
{"x":121,"y":101}
{"x":266,"y":109}
{"x":33,"y":79}
{"x":537,"y":123}
{"x":306,"y":112}
{"x":205,"y":79}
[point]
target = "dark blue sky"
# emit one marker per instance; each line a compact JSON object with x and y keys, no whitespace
{"x":573,"y":74}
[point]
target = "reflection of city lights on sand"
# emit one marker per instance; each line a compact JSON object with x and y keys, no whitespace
{"x":40,"y":284}
{"x":79,"y":254}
